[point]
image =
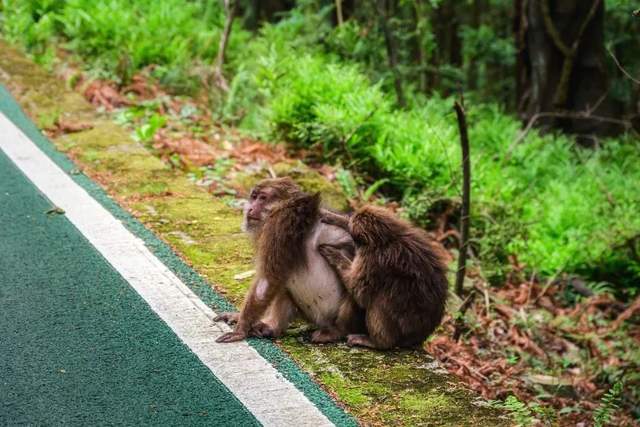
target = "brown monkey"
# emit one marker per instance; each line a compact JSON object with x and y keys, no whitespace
{"x":291,"y":275}
{"x":398,"y":277}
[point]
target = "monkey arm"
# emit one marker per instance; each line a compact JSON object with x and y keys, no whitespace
{"x":259,"y":297}
{"x":338,"y":257}
{"x":333,"y":218}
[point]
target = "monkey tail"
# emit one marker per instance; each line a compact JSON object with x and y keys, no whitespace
{"x":281,"y":247}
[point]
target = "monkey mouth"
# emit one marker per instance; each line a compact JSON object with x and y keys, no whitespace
{"x":252,"y":219}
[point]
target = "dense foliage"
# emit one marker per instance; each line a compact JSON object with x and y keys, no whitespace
{"x":557,"y":207}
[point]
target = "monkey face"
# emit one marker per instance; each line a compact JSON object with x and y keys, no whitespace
{"x":257,"y":208}
{"x":263,"y":198}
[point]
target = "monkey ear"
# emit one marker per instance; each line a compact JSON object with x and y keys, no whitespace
{"x":315,"y":199}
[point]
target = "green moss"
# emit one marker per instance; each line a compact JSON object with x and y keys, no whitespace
{"x":379,"y":388}
{"x":436,"y":403}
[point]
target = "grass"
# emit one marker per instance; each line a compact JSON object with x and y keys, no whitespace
{"x":557,"y":207}
{"x":116,"y":38}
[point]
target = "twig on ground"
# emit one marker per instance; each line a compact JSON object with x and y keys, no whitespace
{"x":633,"y":308}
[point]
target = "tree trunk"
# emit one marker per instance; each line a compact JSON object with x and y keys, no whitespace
{"x":561,"y":66}
{"x":446,"y":25}
{"x":419,"y":51}
{"x":476,"y":21}
{"x":392,"y":52}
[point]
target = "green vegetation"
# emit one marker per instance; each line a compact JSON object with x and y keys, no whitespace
{"x":608,"y":405}
{"x":544,"y":206}
{"x":117,"y":38}
{"x":558,"y":207}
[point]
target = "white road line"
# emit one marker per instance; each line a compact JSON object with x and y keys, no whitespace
{"x":272,"y":399}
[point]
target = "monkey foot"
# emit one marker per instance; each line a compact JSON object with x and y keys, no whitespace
{"x":360,"y":340}
{"x":262,"y":330}
{"x":230,"y":318}
{"x":325,"y":335}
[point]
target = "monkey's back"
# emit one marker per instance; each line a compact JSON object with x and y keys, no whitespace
{"x":405,"y":283}
{"x":288,"y":244}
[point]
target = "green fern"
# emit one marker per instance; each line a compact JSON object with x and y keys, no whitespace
{"x":608,"y":405}
{"x":521,"y":413}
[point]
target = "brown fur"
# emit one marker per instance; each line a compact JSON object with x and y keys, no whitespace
{"x":281,"y":241}
{"x":281,"y":218}
{"x":398,"y":277}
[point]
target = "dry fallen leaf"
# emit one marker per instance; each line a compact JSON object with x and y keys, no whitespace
{"x":101,"y":93}
{"x":191,"y":150}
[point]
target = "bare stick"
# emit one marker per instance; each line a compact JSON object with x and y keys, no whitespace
{"x":633,"y":308}
{"x":221,"y":82}
{"x":339,"y":17}
{"x":577,"y":115}
{"x":466,"y":199}
{"x":621,"y":68}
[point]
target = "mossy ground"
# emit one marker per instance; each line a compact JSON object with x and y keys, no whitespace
{"x":402,"y":388}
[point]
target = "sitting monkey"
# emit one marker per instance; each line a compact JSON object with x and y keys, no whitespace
{"x":398,"y":277}
{"x":291,"y":276}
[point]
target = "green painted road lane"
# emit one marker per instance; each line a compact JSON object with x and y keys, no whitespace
{"x":77,"y":344}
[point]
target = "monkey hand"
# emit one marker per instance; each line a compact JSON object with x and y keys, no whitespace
{"x":336,"y":257}
{"x":228,"y":317}
{"x":232,"y":337}
{"x":332,"y":218}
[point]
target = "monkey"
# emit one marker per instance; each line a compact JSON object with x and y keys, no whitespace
{"x":292,"y":278}
{"x":398,"y":276}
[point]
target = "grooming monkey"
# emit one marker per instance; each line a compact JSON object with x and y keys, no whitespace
{"x":291,"y":276}
{"x":398,"y":277}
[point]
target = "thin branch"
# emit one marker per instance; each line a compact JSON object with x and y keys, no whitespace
{"x":221,"y":82}
{"x":630,"y":311}
{"x":466,"y":199}
{"x":569,"y":53}
{"x":585,"y":24}
{"x":621,"y":68}
{"x":551,"y":29}
{"x":579,"y":115}
{"x":339,"y":17}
